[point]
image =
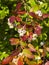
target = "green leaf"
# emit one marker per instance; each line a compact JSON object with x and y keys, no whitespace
{"x":4,"y":12}
{"x":35,"y":8}
{"x":26,"y":52}
{"x":44,"y":36}
{"x":32,"y":2}
{"x":46,"y":23}
{"x":3,"y":55}
{"x":23,"y":43}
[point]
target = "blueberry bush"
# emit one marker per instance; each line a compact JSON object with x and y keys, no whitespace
{"x":24,"y":32}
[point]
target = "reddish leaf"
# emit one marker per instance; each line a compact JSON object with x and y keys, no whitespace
{"x":30,"y":36}
{"x":10,"y":57}
{"x":18,"y":6}
{"x":32,"y":14}
{"x":45,"y":16}
{"x":24,"y":38}
{"x":20,"y":61}
{"x":21,"y":12}
{"x":18,"y":19}
{"x":11,"y":19}
{"x":35,"y":15}
{"x":47,"y":63}
{"x":7,"y":60}
{"x":37,"y":30}
{"x":14,"y":41}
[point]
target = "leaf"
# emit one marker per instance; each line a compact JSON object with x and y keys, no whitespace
{"x":47,"y":63}
{"x":45,"y":16}
{"x":12,"y":19}
{"x":21,"y":12}
{"x":4,"y":12}
{"x":35,"y":15}
{"x":18,"y":6}
{"x":10,"y":57}
{"x":14,"y":41}
{"x":20,"y":61}
{"x":27,"y":53}
{"x":44,"y":36}
{"x":3,"y":55}
{"x":31,"y":47}
{"x":7,"y":60}
{"x":24,"y":38}
{"x":46,"y":23}
{"x":32,"y":3}
{"x":38,"y":30}
{"x":35,"y":8}
{"x":23,"y":44}
{"x":18,"y":18}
